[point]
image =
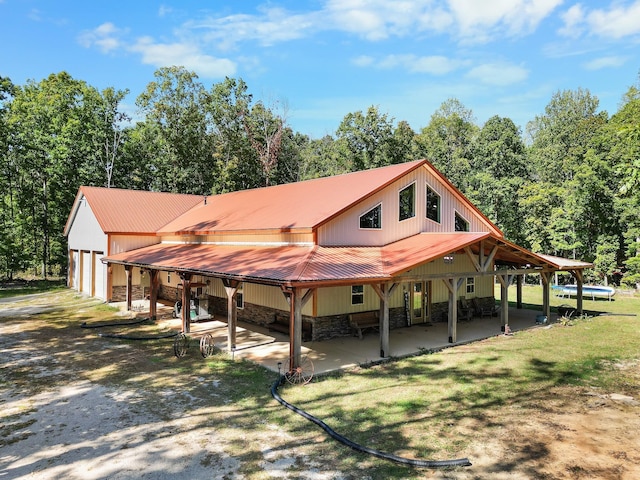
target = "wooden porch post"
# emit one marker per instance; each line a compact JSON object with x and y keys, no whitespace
{"x":519,"y":280}
{"x":579,"y":282}
{"x":154,"y":286}
{"x":129,"y":293}
{"x":231,"y":288}
{"x":186,"y":302}
{"x":384,"y":291}
{"x":505,"y":280}
{"x":453,"y":284}
{"x":297,"y":301}
{"x":546,"y":303}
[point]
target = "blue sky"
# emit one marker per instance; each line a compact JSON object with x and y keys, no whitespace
{"x":326,"y":58}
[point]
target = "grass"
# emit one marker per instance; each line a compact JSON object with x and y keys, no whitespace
{"x":25,"y":287}
{"x":432,"y":406}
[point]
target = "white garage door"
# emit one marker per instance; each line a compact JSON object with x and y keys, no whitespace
{"x":75,"y":270}
{"x":86,"y":273}
{"x":99,"y":275}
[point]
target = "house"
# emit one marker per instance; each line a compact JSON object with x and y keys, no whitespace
{"x":399,"y":240}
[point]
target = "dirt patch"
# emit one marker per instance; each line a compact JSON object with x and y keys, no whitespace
{"x":77,"y":407}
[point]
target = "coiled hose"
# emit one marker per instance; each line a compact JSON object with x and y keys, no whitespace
{"x":112,"y":324}
{"x":461,"y":462}
{"x":135,"y":337}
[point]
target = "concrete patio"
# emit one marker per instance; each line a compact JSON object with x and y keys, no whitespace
{"x":267,"y":348}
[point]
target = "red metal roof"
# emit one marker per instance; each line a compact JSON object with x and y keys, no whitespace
{"x":301,"y":264}
{"x":132,"y":211}
{"x":293,"y":206}
{"x":410,"y":252}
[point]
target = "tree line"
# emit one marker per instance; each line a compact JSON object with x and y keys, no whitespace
{"x":567,"y":186}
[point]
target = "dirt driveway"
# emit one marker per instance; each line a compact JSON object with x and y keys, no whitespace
{"x":75,"y":406}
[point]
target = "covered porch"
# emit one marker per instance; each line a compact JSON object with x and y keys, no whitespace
{"x":300,"y":271}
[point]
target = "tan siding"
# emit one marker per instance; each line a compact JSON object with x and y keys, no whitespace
{"x":344,"y":230}
{"x":126,"y":243}
{"x":337,"y":300}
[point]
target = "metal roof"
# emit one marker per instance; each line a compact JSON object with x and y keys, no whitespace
{"x":300,"y":206}
{"x":281,"y":265}
{"x":132,"y":211}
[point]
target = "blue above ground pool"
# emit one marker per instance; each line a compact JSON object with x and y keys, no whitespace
{"x":592,"y":291}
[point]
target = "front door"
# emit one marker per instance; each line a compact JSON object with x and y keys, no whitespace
{"x":420,"y":302}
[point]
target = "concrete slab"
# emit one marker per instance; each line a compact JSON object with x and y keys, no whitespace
{"x":348,"y":352}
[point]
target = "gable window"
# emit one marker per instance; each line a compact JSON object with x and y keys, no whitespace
{"x":461,"y":224}
{"x":407,"y":202}
{"x":357,"y":294}
{"x":373,"y":218}
{"x":433,"y":205}
{"x":471,"y":285}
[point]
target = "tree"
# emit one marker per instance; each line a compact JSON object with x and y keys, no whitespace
{"x":176,"y":104}
{"x":565,"y":145}
{"x":12,"y":256}
{"x":368,"y":139}
{"x":52,"y":150}
{"x":264,"y":129}
{"x":236,"y":165}
{"x":497,"y":172}
{"x":448,"y":139}
{"x":624,"y":155}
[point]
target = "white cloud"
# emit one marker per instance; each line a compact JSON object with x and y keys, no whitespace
{"x":498,"y":74}
{"x":274,"y":26}
{"x":110,"y":39}
{"x":186,"y":55}
{"x":481,"y":21}
{"x":572,"y":19}
{"x":105,"y":37}
{"x":618,"y":22}
{"x":605,"y":62}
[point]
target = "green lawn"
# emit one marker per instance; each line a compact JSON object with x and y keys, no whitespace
{"x":433,"y":406}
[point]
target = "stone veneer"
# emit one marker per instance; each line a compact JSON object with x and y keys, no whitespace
{"x":322,"y":328}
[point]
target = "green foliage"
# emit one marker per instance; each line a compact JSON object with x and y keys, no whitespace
{"x":448,"y":141}
{"x":572,"y":191}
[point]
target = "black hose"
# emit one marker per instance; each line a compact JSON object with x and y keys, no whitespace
{"x":133,"y":337}
{"x":461,"y":462}
{"x":113,"y":324}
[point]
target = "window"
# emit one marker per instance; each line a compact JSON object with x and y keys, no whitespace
{"x":357,"y":294}
{"x":407,"y":202}
{"x":373,"y":218}
{"x":461,"y":224}
{"x":433,"y":205}
{"x":471,"y":285}
{"x":169,"y":277}
{"x":240,"y":296}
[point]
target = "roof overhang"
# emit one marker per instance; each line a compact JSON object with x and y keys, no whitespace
{"x":318,"y":266}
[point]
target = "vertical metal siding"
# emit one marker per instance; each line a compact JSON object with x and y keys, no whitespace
{"x":345,"y":230}
{"x":125,"y":243}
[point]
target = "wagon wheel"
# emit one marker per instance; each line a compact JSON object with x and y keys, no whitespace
{"x":207,"y":348}
{"x":181,"y":345}
{"x":300,"y":375}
